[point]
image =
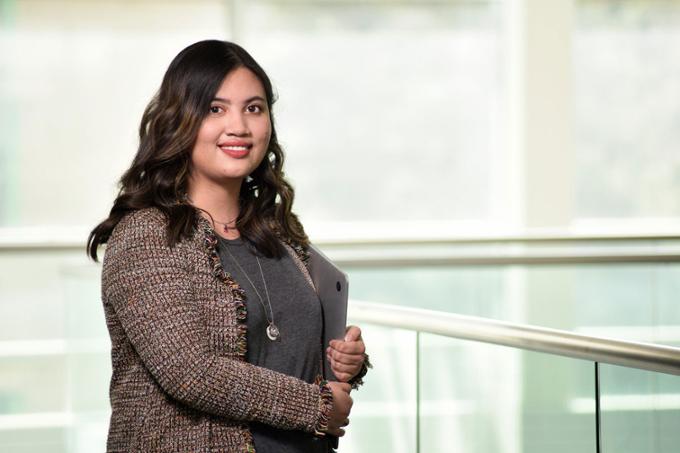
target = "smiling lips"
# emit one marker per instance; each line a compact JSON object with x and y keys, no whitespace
{"x":235,"y":149}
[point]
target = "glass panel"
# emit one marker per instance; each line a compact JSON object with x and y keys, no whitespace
{"x":35,"y":290}
{"x":34,"y":440}
{"x":634,"y":301}
{"x":440,"y":63}
{"x":75,"y":77}
{"x":667,"y":315}
{"x":479,"y":292}
{"x":482,"y":398}
{"x":88,"y":359}
{"x":383,"y":417}
{"x":32,"y":384}
{"x":385,"y":100}
{"x":626,"y":61}
{"x":54,"y":353}
{"x":640,"y":411}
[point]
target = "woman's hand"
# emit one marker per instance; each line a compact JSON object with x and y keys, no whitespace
{"x":342,"y":404}
{"x":347,"y":356}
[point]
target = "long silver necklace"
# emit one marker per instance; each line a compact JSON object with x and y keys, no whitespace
{"x":272,"y":331}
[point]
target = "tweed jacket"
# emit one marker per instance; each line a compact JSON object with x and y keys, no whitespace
{"x":176,"y":320}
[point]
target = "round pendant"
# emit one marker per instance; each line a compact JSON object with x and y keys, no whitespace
{"x":273,"y":332}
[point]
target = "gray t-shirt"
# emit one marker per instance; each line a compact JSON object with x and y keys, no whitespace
{"x":297,"y":314}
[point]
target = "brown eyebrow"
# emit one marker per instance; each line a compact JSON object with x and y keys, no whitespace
{"x":247,"y":101}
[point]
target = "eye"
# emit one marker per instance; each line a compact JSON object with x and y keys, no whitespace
{"x":215,"y":109}
{"x":254,"y":108}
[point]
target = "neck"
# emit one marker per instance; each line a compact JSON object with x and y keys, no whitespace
{"x":220,"y":200}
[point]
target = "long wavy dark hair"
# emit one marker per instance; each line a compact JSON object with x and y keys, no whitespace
{"x":160,"y":170}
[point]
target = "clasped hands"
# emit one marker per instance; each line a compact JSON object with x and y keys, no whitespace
{"x":346,"y":358}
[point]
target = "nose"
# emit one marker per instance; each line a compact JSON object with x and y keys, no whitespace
{"x":236,"y":124}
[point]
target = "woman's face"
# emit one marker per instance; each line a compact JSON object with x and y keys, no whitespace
{"x":234,"y":136}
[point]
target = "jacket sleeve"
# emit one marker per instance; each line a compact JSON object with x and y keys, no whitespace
{"x":358,"y":380}
{"x":147,"y":283}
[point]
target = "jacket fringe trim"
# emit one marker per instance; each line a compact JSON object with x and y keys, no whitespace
{"x":210,"y":241}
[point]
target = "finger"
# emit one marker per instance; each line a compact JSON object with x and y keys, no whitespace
{"x":343,"y":377}
{"x":348,"y":347}
{"x":344,"y":387}
{"x":339,"y":344}
{"x":336,"y":429}
{"x":353,"y":333}
{"x":343,"y":368}
{"x":348,"y":359}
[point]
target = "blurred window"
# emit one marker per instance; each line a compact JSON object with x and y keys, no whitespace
{"x":626,"y":66}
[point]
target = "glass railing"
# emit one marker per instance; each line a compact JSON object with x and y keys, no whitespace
{"x":554,"y":391}
{"x":639,"y":410}
{"x":426,"y":392}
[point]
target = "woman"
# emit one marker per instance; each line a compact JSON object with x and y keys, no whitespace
{"x":214,"y":323}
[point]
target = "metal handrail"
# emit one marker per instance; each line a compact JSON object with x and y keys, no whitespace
{"x":368,"y":254}
{"x":484,"y":239}
{"x":75,"y":237}
{"x":645,"y":356}
{"x":363,"y":260}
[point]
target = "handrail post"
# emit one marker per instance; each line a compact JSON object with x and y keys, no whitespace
{"x":598,"y":419}
{"x":417,"y":392}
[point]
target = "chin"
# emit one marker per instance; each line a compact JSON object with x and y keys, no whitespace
{"x":235,"y":175}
